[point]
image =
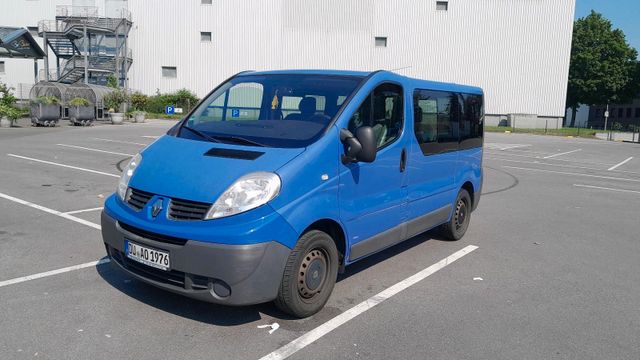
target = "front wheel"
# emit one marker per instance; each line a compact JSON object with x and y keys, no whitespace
{"x":457,"y":226}
{"x":309,"y":276}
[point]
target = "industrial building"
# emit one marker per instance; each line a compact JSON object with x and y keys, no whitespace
{"x":516,"y":50}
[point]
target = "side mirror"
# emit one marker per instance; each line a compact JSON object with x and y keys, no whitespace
{"x":361,"y":147}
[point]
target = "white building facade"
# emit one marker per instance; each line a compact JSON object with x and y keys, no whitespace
{"x":516,"y":50}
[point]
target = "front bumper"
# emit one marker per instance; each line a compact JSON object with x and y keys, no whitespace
{"x":218,"y":273}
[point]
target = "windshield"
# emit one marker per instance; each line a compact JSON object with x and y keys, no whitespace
{"x":270,"y":110}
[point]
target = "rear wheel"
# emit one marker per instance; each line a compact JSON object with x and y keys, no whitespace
{"x":309,"y":276}
{"x":457,"y":226}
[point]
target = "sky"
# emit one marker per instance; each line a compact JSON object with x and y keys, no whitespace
{"x":624,"y":14}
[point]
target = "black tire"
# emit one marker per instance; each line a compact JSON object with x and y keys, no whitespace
{"x":457,"y":226}
{"x":309,"y":276}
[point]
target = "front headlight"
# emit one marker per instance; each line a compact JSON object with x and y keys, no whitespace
{"x":248,"y":192}
{"x":127,"y":173}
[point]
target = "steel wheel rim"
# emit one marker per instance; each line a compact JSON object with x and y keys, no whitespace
{"x":312,"y":273}
{"x":461,"y":214}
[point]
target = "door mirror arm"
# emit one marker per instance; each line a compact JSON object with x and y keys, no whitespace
{"x":362,"y":147}
{"x":351,"y":146}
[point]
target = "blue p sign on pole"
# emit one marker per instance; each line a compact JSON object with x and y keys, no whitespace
{"x":169,"y":110}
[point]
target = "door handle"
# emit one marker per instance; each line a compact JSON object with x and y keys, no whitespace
{"x":403,"y":160}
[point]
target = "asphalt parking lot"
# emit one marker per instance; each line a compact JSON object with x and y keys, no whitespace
{"x":555,"y":274}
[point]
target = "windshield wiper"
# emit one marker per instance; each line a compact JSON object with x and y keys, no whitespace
{"x":238,"y":139}
{"x":201,"y":134}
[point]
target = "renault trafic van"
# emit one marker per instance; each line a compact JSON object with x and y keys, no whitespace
{"x":277,"y":180}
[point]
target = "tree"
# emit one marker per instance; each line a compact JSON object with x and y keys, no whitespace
{"x":603,"y":65}
{"x":112,"y":82}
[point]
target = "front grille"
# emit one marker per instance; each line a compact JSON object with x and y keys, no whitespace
{"x":152,"y":236}
{"x":187,"y":210}
{"x":137,"y":199}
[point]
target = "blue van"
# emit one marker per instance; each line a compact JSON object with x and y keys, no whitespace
{"x":279,"y":179}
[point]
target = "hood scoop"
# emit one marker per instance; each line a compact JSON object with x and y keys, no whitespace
{"x":234,"y":154}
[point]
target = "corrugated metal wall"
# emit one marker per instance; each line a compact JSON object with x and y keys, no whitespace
{"x":517,"y":50}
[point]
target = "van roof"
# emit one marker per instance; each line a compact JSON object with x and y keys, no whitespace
{"x":416,"y":83}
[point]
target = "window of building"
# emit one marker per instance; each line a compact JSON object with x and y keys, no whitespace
{"x":629,"y":112}
{"x":205,"y":36}
{"x":383,"y":111}
{"x":2,"y":67}
{"x":169,"y":72}
{"x":206,"y":2}
{"x":620,"y":112}
{"x":381,"y":41}
{"x":597,"y":113}
{"x":638,"y":112}
{"x":442,"y":5}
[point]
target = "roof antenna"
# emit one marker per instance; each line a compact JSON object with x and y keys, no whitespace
{"x":402,"y":68}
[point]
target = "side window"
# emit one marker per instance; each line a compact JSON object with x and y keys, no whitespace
{"x":472,"y":124}
{"x":436,"y":120}
{"x":240,"y":102}
{"x":382,"y":110}
{"x":291,"y":104}
{"x":244,"y":102}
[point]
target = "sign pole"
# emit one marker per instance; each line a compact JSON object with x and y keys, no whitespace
{"x":606,"y":118}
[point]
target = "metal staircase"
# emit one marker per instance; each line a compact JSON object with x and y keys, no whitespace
{"x":86,"y":44}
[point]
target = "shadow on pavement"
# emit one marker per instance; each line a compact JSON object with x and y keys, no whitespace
{"x":221,"y":315}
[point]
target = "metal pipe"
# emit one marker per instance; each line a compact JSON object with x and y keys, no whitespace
{"x":46,"y":56}
{"x":86,"y":53}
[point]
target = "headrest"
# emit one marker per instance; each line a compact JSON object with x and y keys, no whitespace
{"x":307,"y":105}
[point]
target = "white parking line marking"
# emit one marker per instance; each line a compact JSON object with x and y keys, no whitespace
{"x":570,"y":173}
{"x":84,"y":210}
{"x":563,"y":153}
{"x":51,"y":211}
{"x":150,"y":137}
{"x":510,"y":154}
{"x":94,"y":150}
{"x":502,"y":147}
{"x":606,"y":188}
{"x":52,"y":272}
{"x":536,"y":162}
{"x":322,"y":330}
{"x":620,"y":164}
{"x":63,"y":165}
{"x":120,"y":141}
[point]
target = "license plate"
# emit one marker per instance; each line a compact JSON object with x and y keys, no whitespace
{"x":148,"y":256}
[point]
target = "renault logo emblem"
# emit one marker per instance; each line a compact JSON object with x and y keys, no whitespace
{"x":156,"y":208}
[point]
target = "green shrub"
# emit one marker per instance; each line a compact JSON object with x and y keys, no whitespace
{"x":114,"y":99}
{"x":47,"y":100}
{"x":182,"y":98}
{"x":616,"y":126}
{"x":6,"y":95}
{"x":112,"y":82}
{"x":10,"y":112}
{"x":139,"y":100}
{"x":78,"y":101}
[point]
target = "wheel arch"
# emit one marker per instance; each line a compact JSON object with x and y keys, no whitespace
{"x":335,"y":230}
{"x":470,"y":189}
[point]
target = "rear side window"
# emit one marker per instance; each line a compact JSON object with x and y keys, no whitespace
{"x":472,"y":124}
{"x":436,"y":120}
{"x":447,"y":121}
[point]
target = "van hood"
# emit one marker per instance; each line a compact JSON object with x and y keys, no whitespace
{"x":199,"y":170}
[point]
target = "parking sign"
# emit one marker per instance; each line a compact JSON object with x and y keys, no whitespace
{"x":169,"y":110}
